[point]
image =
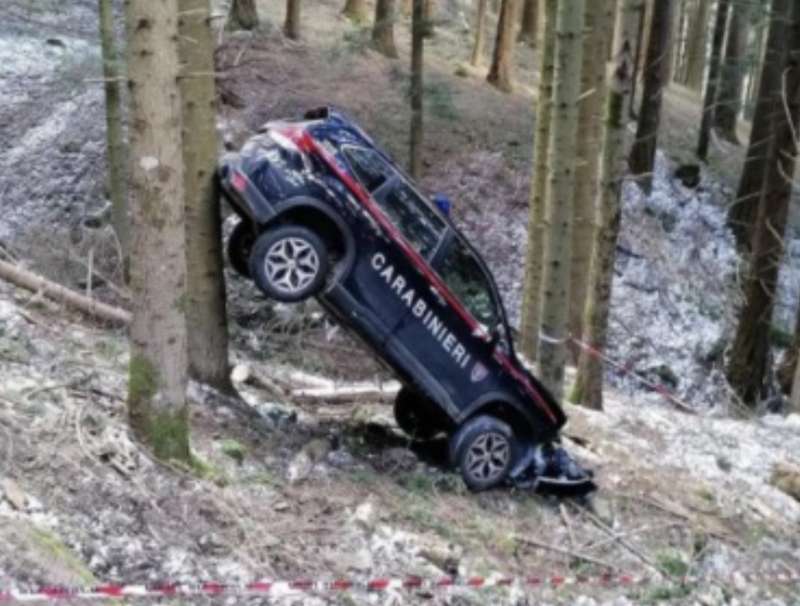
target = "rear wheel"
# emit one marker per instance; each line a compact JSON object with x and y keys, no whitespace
{"x":484,"y":449}
{"x":416,"y":415}
{"x":289,"y":263}
{"x":240,"y":244}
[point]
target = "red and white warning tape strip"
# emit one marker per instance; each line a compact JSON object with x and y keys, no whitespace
{"x":279,"y":588}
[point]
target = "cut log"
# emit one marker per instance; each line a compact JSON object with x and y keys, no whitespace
{"x":61,"y":294}
{"x":347,"y":394}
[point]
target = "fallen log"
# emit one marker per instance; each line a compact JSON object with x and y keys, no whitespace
{"x":348,"y":394}
{"x":61,"y":294}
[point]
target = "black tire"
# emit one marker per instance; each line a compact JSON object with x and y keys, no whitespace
{"x":484,"y":449}
{"x":416,"y":415}
{"x":289,"y":263}
{"x":240,"y":245}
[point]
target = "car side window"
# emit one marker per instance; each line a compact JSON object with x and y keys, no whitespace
{"x":368,"y":166}
{"x":417,"y":221}
{"x":467,"y":279}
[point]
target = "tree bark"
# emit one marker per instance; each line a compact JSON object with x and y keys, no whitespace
{"x":480,"y":34}
{"x":712,"y":82}
{"x":642,"y":8}
{"x":729,"y":97}
{"x":598,"y":24}
{"x":560,"y":194}
{"x":429,"y":27}
{"x":786,"y":371}
{"x":530,"y":22}
{"x":588,"y":389}
{"x":417,"y":66}
{"x":383,"y":29}
{"x":742,"y":213}
{"x":115,"y":137}
{"x":531,"y":292}
{"x":291,"y":26}
{"x":749,"y":358}
{"x":643,"y":153}
{"x":794,"y":404}
{"x":158,"y":361}
{"x":696,"y":46}
{"x":206,"y":313}
{"x":356,"y":10}
{"x":503,"y":56}
{"x":243,"y":15}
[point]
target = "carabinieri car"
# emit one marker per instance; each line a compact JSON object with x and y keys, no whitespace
{"x":326,"y":213}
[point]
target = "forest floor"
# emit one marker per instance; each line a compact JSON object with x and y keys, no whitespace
{"x":306,"y":490}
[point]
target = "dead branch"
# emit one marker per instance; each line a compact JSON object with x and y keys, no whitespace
{"x":567,"y":552}
{"x":61,"y":294}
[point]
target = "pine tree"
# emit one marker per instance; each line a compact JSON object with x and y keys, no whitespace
{"x":206,"y":312}
{"x":530,"y":22}
{"x":417,"y":66}
{"x":243,"y":15}
{"x":291,"y":26}
{"x":158,"y":360}
{"x":786,"y":371}
{"x":712,"y":82}
{"x":480,"y":33}
{"x":742,"y":213}
{"x":794,"y":404}
{"x":355,"y":10}
{"x":588,"y":388}
{"x":643,"y":153}
{"x":503,"y":56}
{"x":598,"y":24}
{"x":383,"y":29}
{"x":696,"y":45}
{"x":560,"y":194}
{"x":531,"y":292}
{"x":749,"y":356}
{"x":729,"y":96}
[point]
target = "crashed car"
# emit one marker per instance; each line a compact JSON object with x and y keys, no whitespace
{"x":326,"y":213}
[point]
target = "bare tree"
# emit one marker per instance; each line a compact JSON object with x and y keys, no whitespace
{"x":530,"y":22}
{"x":696,"y":45}
{"x":291,"y":26}
{"x":480,"y":33}
{"x":712,"y":82}
{"x":417,"y":66}
{"x":503,"y":56}
{"x":729,"y":96}
{"x":243,"y":15}
{"x":383,"y":29}
{"x":158,"y":360}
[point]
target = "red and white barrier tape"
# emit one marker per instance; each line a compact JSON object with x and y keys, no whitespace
{"x":278,"y":588}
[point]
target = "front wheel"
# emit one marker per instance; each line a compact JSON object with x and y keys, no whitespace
{"x":484,"y":449}
{"x":289,"y":263}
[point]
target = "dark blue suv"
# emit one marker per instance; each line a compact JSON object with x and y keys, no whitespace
{"x":326,"y":213}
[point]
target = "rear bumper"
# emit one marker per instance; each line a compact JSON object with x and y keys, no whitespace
{"x":241,"y":193}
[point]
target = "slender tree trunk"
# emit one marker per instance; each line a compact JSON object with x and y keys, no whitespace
{"x":115,"y":137}
{"x":642,"y":8}
{"x":560,"y":194}
{"x":206,"y":312}
{"x":429,"y":27}
{"x":243,"y":15}
{"x":786,"y":371}
{"x":712,"y":82}
{"x":729,"y":97}
{"x":503,"y":56}
{"x":742,"y":213}
{"x":643,"y":153}
{"x":794,"y":405}
{"x":417,"y":66}
{"x":356,"y":10}
{"x":754,"y":76}
{"x":598,"y":24}
{"x":480,"y":34}
{"x":749,"y":357}
{"x":588,"y":388}
{"x":531,"y":292}
{"x":291,"y":27}
{"x":383,"y":30}
{"x":158,"y":362}
{"x":696,"y":46}
{"x":530,"y":23}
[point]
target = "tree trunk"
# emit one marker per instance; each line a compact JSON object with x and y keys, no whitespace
{"x":696,"y":46}
{"x":291,"y":27}
{"x":158,"y":361}
{"x":206,"y":313}
{"x":742,"y":213}
{"x":383,"y":30}
{"x":503,"y":56}
{"x":588,"y":389}
{"x":729,"y":97}
{"x":786,"y":371}
{"x":428,"y":27}
{"x":754,"y":68}
{"x":560,"y":194}
{"x":794,"y":405}
{"x":642,"y":9}
{"x":598,"y":23}
{"x":417,"y":66}
{"x":747,"y":365}
{"x":643,"y":153}
{"x":530,"y":23}
{"x":243,"y":15}
{"x":712,"y":82}
{"x":531,"y":292}
{"x":480,"y":34}
{"x":355,"y":10}
{"x":115,"y":137}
